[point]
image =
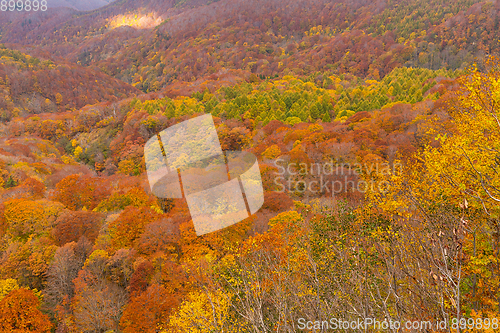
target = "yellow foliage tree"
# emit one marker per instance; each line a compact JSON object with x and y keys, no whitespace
{"x":272,"y":152}
{"x":6,"y":286}
{"x":446,"y":201}
{"x":78,"y":151}
{"x":59,"y":98}
{"x":201,"y":312}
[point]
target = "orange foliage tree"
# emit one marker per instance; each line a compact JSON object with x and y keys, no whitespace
{"x":129,"y":226}
{"x":19,"y":313}
{"x":148,"y":311}
{"x":76,"y":191}
{"x":25,"y":217}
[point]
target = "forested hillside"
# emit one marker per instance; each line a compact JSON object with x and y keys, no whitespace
{"x":375,"y":126}
{"x":31,"y":85}
{"x":153,"y":44}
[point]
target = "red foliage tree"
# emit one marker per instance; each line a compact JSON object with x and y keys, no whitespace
{"x":140,"y":278}
{"x":71,"y":225}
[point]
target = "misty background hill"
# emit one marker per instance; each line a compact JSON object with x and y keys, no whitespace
{"x":79,"y":5}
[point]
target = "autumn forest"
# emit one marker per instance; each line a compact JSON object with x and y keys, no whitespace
{"x":376,"y":127}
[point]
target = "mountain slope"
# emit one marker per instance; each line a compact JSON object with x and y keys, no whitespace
{"x":151,"y":44}
{"x":31,"y":85}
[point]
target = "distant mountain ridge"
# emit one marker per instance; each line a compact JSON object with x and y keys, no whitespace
{"x":151,"y":44}
{"x":79,"y":5}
